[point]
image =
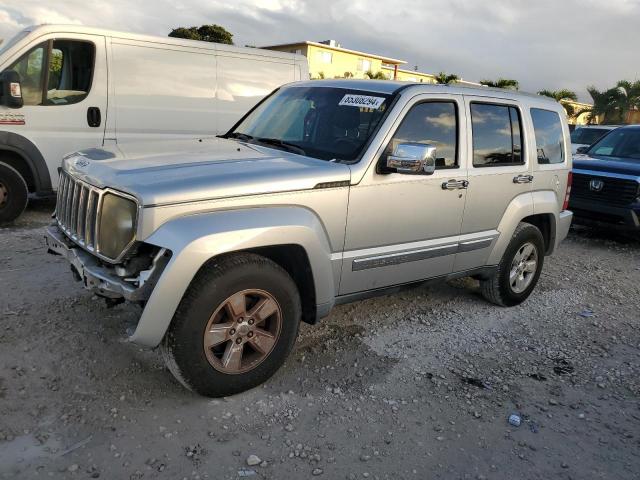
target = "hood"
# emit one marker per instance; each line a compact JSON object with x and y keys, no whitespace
{"x":598,"y":163}
{"x":201,"y":169}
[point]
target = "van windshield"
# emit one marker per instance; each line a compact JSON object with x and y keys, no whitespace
{"x":322,"y":122}
{"x":16,"y":38}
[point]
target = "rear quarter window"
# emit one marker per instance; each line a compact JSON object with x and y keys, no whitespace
{"x":549,"y":137}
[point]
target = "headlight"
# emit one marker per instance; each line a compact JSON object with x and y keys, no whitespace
{"x":118,"y":217}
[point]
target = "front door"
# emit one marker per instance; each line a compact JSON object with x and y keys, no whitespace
{"x":64,"y":88}
{"x":403,"y":228}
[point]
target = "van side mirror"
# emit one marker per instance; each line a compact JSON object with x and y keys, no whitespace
{"x":10,"y":90}
{"x":413,"y":159}
{"x":582,"y":149}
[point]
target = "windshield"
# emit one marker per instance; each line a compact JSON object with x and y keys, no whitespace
{"x":321,"y":122}
{"x":624,"y":142}
{"x":16,"y":38}
{"x":587,"y":136}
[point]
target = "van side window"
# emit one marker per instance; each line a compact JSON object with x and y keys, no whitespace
{"x":549,"y":137}
{"x":30,"y":69}
{"x":497,"y":135}
{"x":65,"y":65}
{"x":70,"y":71}
{"x":435,"y":123}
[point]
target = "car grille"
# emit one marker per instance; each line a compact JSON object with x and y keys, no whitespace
{"x":615,"y":191}
{"x":78,"y":210}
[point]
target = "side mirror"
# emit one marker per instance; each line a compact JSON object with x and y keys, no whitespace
{"x":413,"y":159}
{"x":10,"y":90}
{"x":582,"y":149}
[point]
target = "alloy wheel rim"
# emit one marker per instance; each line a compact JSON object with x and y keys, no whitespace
{"x":242,"y":331}
{"x":4,"y":195}
{"x":523,"y":267}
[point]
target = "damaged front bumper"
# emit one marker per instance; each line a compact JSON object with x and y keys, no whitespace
{"x":102,"y":279}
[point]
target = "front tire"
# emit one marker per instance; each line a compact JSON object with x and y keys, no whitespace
{"x":14,"y":193}
{"x":234,"y":327}
{"x":519,"y":268}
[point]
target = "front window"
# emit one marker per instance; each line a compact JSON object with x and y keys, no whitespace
{"x":321,"y":122}
{"x":66,"y":66}
{"x":587,"y":136}
{"x":623,"y":143}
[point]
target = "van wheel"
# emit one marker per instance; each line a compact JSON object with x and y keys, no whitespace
{"x":519,"y":269}
{"x":234,"y":327}
{"x":14,"y":193}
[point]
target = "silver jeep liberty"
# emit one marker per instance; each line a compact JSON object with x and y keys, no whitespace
{"x":324,"y":193}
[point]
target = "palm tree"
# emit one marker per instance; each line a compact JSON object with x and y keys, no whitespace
{"x":563,"y":96}
{"x":446,"y":78}
{"x":628,"y":98}
{"x":508,"y":83}
{"x":379,"y":75}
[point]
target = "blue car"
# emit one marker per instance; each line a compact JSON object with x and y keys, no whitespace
{"x":606,"y":181}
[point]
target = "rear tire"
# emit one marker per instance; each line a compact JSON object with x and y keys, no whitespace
{"x":517,"y":275}
{"x":14,"y":193}
{"x":242,"y":303}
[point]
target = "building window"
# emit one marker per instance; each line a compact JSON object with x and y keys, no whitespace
{"x":364,"y":65}
{"x":324,"y":57}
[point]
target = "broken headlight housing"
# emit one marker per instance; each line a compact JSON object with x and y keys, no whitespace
{"x":117,"y":228}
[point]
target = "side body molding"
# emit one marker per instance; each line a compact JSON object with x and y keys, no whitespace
{"x":195,"y":239}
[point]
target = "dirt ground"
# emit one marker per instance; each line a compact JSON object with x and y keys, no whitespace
{"x":410,"y":386}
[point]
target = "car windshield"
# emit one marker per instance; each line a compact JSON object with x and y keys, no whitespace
{"x":322,"y":122}
{"x":587,"y":136}
{"x":624,"y":142}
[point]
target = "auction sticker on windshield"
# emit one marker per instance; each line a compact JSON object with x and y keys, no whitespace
{"x":361,"y":101}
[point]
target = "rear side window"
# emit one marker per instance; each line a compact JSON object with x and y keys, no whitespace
{"x":497,"y":135}
{"x":434,"y":123}
{"x":549,"y":138}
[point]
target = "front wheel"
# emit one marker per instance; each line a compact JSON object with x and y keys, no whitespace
{"x":519,"y":268}
{"x":14,"y":193}
{"x":235,"y":326}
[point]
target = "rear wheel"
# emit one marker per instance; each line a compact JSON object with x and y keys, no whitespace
{"x":235,"y":326}
{"x":14,"y":193}
{"x":519,"y":269}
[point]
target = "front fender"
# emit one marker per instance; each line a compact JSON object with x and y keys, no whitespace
{"x":195,"y":239}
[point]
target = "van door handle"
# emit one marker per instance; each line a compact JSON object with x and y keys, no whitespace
{"x":454,"y":184}
{"x":94,"y":119}
{"x":523,"y":179}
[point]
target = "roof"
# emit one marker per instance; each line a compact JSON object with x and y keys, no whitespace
{"x":389,"y":87}
{"x":196,"y":44}
{"x":393,"y":61}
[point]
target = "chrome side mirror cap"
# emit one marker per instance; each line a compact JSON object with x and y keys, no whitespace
{"x":413,"y":159}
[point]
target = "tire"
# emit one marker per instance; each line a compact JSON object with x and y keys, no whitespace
{"x":208,"y":305}
{"x":500,"y":289}
{"x":14,"y":193}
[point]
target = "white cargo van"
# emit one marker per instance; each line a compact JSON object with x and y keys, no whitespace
{"x":66,"y":88}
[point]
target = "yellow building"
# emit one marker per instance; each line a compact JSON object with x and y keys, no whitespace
{"x":579,"y":118}
{"x":329,"y":60}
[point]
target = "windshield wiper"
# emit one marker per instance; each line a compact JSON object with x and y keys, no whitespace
{"x":291,"y":147}
{"x":240,"y":136}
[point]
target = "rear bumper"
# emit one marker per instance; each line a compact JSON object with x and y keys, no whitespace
{"x":564,"y":223}
{"x":591,"y":213}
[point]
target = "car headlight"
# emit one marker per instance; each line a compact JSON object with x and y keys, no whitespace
{"x":118,"y":217}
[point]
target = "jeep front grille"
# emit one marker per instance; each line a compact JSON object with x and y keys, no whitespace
{"x":78,"y":210}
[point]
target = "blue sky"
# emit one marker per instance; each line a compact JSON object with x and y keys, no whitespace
{"x":543,"y":43}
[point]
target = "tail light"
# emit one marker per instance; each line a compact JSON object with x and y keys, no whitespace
{"x":565,"y":205}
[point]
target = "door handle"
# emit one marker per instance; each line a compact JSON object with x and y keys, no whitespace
{"x":523,"y":179}
{"x":94,"y":119}
{"x":454,"y":184}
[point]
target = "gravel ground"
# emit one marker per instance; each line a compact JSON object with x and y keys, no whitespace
{"x":409,"y":386}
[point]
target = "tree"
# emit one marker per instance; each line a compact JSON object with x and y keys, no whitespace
{"x":508,"y":83}
{"x":379,"y":75}
{"x":446,"y":78}
{"x":206,"y":33}
{"x":616,"y":104}
{"x":628,"y":98}
{"x":563,"y":96}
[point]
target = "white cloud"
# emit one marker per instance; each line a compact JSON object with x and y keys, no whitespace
{"x":543,"y":44}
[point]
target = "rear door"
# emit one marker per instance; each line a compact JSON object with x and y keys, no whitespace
{"x":499,"y":172}
{"x":64,"y":85}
